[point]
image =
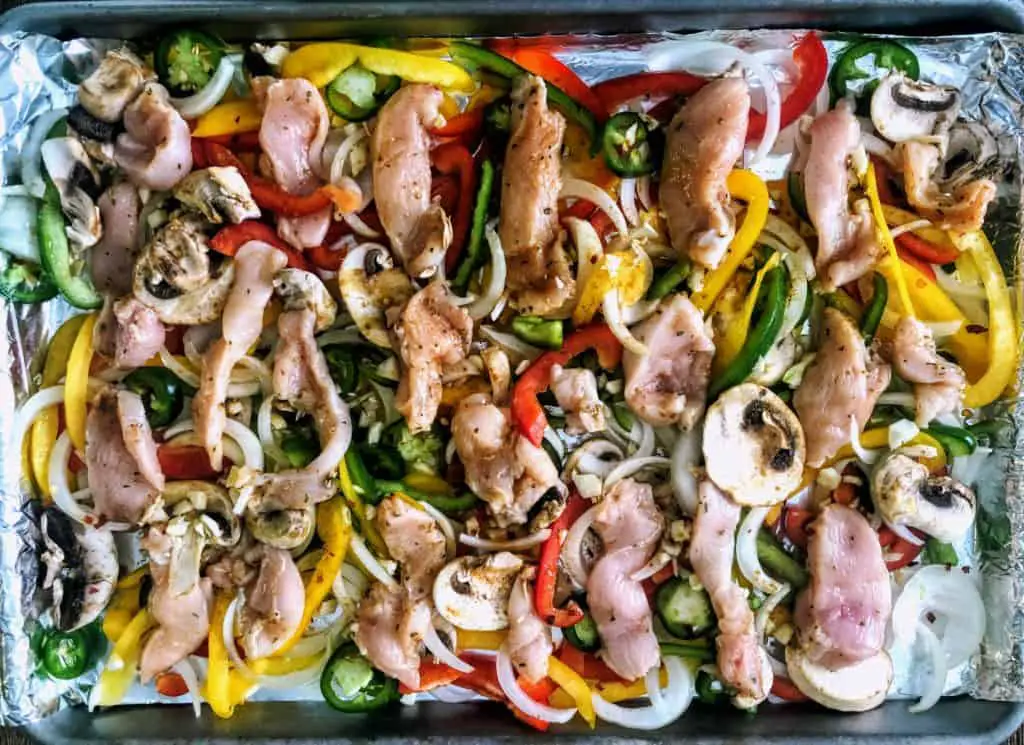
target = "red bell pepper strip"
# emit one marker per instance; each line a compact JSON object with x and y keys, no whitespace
{"x":812,"y":63}
{"x":883,"y":179}
{"x":199,"y":159}
{"x":185,"y":462}
{"x":455,"y":159}
{"x":241,"y":142}
{"x":527,"y":413}
{"x":463,"y":125}
{"x":171,"y":685}
{"x":232,"y":237}
{"x":549,"y":67}
{"x":914,"y":260}
{"x":926,"y":250}
{"x":587,"y":665}
{"x":784,"y":689}
{"x":649,"y":86}
{"x":547,"y":569}
{"x":904,"y":552}
{"x":270,"y":196}
{"x":432,"y":675}
{"x":484,"y":681}
{"x":795,"y":523}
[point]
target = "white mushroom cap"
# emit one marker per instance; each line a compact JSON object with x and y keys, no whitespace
{"x":754,"y":446}
{"x":905,"y":494}
{"x":472,"y":592}
{"x":299,"y":289}
{"x":858,"y":687}
{"x":369,"y":285}
{"x":70,"y":167}
{"x":905,"y":109}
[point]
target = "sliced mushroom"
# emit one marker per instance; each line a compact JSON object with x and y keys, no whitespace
{"x":904,"y":493}
{"x":370,"y":284}
{"x":472,"y":592}
{"x":72,"y":172}
{"x":80,"y":569}
{"x":89,"y":127}
{"x":754,"y":446}
{"x":219,"y":194}
{"x":972,"y":153}
{"x":285,"y":529}
{"x":299,"y":290}
{"x":113,"y":85}
{"x":212,"y":501}
{"x":858,"y":687}
{"x":905,"y":109}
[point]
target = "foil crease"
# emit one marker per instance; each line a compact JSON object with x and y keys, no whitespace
{"x":37,"y":74}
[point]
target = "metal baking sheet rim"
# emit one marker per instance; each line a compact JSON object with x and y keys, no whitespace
{"x":960,"y":720}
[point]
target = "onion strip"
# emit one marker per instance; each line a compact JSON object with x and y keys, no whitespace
{"x":436,"y":647}
{"x":496,"y":275}
{"x":574,"y":188}
{"x":210,"y":95}
{"x":518,"y":698}
{"x":633,"y":465}
{"x":746,"y":552}
{"x":516,"y":544}
{"x":371,"y":564}
{"x":572,"y":548}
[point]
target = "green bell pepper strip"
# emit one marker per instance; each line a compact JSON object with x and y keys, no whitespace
{"x":772,"y":301}
{"x":473,"y":57}
{"x":937,"y":552}
{"x":797,"y":196}
{"x":779,"y":563}
{"x":629,"y":145}
{"x":22,"y":282}
{"x":357,"y":93}
{"x":161,"y":391}
{"x":709,"y":689}
{"x":667,"y":282}
{"x":991,"y":432}
{"x":381,"y":461}
{"x":876,"y":308}
{"x":364,"y":483}
{"x":300,"y":446}
{"x":886,"y":55}
{"x":445,"y":503}
{"x":55,"y":254}
{"x":66,"y":655}
{"x":583,"y":634}
{"x":498,"y":117}
{"x":350,"y":684}
{"x":956,"y":441}
{"x":475,"y":254}
{"x":186,"y":59}
{"x":541,"y":332}
{"x":698,"y":649}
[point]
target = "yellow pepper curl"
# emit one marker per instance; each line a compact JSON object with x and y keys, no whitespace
{"x":628,"y":271}
{"x":225,"y":688}
{"x":119,"y":672}
{"x":229,"y":118}
{"x":736,"y":331}
{"x":76,"y":384}
{"x":871,"y":190}
{"x":321,"y":63}
{"x":570,"y":681}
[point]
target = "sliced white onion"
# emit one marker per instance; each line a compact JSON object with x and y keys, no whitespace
{"x":592,"y":457}
{"x":18,"y":218}
{"x":28,"y":411}
{"x":446,"y":527}
{"x":642,"y":434}
{"x":60,"y":490}
{"x":258,"y":369}
{"x":452,"y":694}
{"x":686,"y":456}
{"x":187,"y":376}
{"x":944,"y":329}
{"x":574,"y":188}
{"x":444,"y":655}
{"x":249,"y":446}
{"x":766,"y":609}
{"x":902,"y":531}
{"x":511,"y":343}
{"x":876,"y":145}
{"x":627,"y":198}
{"x":643,"y":192}
{"x":265,"y":431}
{"x":588,"y":248}
{"x":188,"y":675}
{"x":746,"y":552}
{"x":210,"y":95}
{"x":370,"y":563}
{"x":359,"y":227}
{"x":516,"y":544}
{"x":634,"y":465}
{"x":227,"y":630}
{"x":659,"y":561}
{"x":297,"y":678}
{"x":341,"y":156}
{"x":966,"y":468}
{"x":518,"y":698}
{"x":895,"y":398}
{"x":674,"y":700}
{"x":937,"y":678}
{"x":901,"y":432}
{"x":572,"y":548}
{"x":864,"y":455}
{"x":31,"y":152}
{"x":551,"y":438}
{"x":612,"y":310}
{"x":496,"y":275}
{"x":952,"y":286}
{"x":682,"y":55}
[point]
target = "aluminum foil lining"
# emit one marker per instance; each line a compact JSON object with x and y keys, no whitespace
{"x":38,"y":73}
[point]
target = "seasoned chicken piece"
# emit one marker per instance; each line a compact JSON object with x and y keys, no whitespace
{"x":432,"y":332}
{"x":120,"y":489}
{"x":302,"y":378}
{"x":113,"y":256}
{"x":630,"y":526}
{"x":256,"y":263}
{"x":292,"y":133}
{"x":155,"y":149}
{"x":703,"y":143}
{"x":668,"y":385}
{"x":138,"y":437}
{"x":113,"y":85}
{"x":575,"y":390}
{"x":183,"y":619}
{"x":962,"y":210}
{"x":502,"y":467}
{"x":415,"y":541}
{"x":742,"y":661}
{"x":219,"y":194}
{"x":274,"y":604}
{"x":529,"y":639}
{"x":841,"y":617}
{"x":128,"y":332}
{"x":938,"y":383}
{"x":417,"y":226}
{"x":844,"y":380}
{"x":305,"y":232}
{"x":380,"y":623}
{"x":538,"y":272}
{"x":847,"y":245}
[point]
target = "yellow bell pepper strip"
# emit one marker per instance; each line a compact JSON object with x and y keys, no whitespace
{"x":334,"y":527}
{"x":571,"y":682}
{"x":224,"y":688}
{"x":76,"y":383}
{"x":736,"y":332}
{"x":613,"y":693}
{"x":230,"y":118}
{"x":628,"y":271}
{"x":124,"y":605}
{"x":894,"y":216}
{"x":490,"y":640}
{"x":322,"y":62}
{"x":748,"y":187}
{"x":119,"y":672}
{"x":283,"y":665}
{"x":971,"y":349}
{"x":871,"y":190}
{"x":366,"y":526}
{"x":1003,"y":344}
{"x":44,"y":429}
{"x":873,"y":439}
